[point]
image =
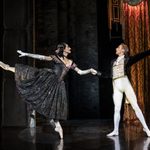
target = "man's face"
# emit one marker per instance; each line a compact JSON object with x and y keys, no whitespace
{"x":120,"y":50}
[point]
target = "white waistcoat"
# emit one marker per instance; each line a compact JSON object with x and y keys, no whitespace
{"x":118,"y":69}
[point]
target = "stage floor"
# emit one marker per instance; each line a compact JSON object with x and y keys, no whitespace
{"x":78,"y":135}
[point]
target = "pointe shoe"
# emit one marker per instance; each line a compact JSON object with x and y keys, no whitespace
{"x":60,"y":131}
{"x":32,"y":123}
{"x":147,"y":131}
{"x":113,"y":133}
{"x":4,"y":66}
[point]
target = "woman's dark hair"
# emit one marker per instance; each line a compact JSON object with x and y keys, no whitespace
{"x":60,"y":49}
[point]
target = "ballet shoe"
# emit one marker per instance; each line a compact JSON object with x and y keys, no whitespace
{"x":113,"y":133}
{"x":59,"y":130}
{"x":147,"y":131}
{"x":32,"y":123}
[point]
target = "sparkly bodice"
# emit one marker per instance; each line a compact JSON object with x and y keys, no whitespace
{"x":60,"y":69}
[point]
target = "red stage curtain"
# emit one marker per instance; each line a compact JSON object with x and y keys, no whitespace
{"x":137,"y":37}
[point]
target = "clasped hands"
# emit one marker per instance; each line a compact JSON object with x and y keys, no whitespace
{"x":95,"y":72}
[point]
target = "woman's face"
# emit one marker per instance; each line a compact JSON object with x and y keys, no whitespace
{"x":120,"y":50}
{"x":67,"y":50}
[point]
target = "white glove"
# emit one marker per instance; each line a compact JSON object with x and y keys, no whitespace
{"x":93,"y":71}
{"x":22,"y":54}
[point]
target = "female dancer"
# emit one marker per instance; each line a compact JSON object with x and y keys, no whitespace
{"x":44,"y":89}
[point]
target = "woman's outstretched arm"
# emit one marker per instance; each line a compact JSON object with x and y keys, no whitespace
{"x":7,"y":67}
{"x":36,"y":56}
{"x":87,"y":71}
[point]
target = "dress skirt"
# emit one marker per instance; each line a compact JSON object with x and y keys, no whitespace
{"x":42,"y":89}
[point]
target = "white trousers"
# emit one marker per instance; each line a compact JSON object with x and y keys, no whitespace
{"x":120,"y":86}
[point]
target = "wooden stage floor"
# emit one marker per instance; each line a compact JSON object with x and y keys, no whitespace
{"x":78,"y":135}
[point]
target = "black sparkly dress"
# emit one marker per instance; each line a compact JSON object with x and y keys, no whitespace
{"x":44,"y":89}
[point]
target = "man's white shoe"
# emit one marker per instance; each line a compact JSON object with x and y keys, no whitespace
{"x":147,"y":131}
{"x":113,"y":133}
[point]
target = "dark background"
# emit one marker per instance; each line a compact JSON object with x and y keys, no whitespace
{"x":37,"y":27}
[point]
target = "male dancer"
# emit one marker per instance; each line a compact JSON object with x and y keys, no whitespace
{"x":121,"y":84}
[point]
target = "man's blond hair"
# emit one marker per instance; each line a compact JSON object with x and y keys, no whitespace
{"x":125,"y":47}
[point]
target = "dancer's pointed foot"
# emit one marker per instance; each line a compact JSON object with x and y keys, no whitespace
{"x":60,"y":131}
{"x":147,"y":131}
{"x":32,"y":123}
{"x":4,"y":66}
{"x":113,"y":133}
